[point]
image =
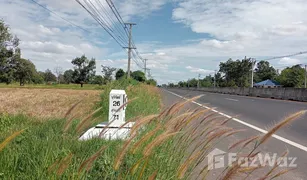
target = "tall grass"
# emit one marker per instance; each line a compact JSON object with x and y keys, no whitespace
{"x":172,"y":144}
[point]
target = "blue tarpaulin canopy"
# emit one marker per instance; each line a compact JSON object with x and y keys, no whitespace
{"x":267,"y":82}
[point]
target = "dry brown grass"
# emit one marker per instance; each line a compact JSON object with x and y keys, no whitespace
{"x":46,"y":103}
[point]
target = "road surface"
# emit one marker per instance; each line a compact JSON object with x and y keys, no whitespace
{"x":257,"y":115}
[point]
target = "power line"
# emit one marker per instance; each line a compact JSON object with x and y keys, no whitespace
{"x":99,"y":22}
{"x":71,"y":23}
{"x":100,"y":17}
{"x":279,"y":57}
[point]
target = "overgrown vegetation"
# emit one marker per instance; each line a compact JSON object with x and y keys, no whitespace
{"x":168,"y":144}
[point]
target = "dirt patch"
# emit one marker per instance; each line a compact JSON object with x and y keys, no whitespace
{"x":47,"y":103}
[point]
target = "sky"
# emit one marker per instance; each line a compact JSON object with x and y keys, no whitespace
{"x":180,"y":38}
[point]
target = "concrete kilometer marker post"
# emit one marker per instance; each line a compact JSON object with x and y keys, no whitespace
{"x":117,"y":115}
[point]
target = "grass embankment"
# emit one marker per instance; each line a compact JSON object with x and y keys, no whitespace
{"x":171,"y":144}
{"x":54,"y":86}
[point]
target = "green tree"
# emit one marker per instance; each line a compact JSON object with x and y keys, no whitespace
{"x":237,"y":73}
{"x":264,"y":71}
{"x":119,"y":74}
{"x":107,"y":72}
{"x":139,"y":76}
{"x":84,"y":69}
{"x":68,"y":76}
{"x":192,"y":82}
{"x":292,"y":77}
{"x":49,"y":76}
{"x":9,"y":53}
{"x":24,"y":71}
{"x":38,"y":78}
{"x":152,"y":82}
{"x":97,"y":79}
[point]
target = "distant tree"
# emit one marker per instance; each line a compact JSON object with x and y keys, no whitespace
{"x":24,"y":71}
{"x":292,"y":77}
{"x":152,"y":82}
{"x":171,"y":85}
{"x":182,"y":84}
{"x":192,"y":82}
{"x":97,"y":79}
{"x":58,"y":72}
{"x":84,"y":69}
{"x":68,"y":76}
{"x":237,"y":73}
{"x":139,"y":76}
{"x":107,"y":72}
{"x":38,"y":78}
{"x":119,"y":74}
{"x":9,"y":53}
{"x":207,"y":81}
{"x":264,"y":71}
{"x":49,"y":76}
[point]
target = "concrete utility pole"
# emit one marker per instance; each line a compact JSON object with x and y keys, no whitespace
{"x":214,"y":78}
{"x":145,"y":64}
{"x":305,"y":75}
{"x":253,"y":64}
{"x":129,"y":48}
{"x":198,"y":83}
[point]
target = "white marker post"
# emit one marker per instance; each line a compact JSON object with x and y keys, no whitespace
{"x":117,"y":114}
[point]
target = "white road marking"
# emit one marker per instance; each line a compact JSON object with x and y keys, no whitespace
{"x":231,"y":99}
{"x":292,"y":143}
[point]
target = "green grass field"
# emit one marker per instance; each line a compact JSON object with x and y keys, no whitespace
{"x":55,"y":86}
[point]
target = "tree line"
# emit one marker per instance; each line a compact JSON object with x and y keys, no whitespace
{"x":13,"y":68}
{"x":237,"y":73}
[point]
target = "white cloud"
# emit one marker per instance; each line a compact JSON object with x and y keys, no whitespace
{"x":199,"y":70}
{"x":288,"y":61}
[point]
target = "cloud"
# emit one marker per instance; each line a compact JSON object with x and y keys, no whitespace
{"x":199,"y":70}
{"x":288,"y":61}
{"x":50,"y":41}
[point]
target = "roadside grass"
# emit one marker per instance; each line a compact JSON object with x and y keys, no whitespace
{"x":168,"y":144}
{"x":54,"y":86}
{"x":39,"y":151}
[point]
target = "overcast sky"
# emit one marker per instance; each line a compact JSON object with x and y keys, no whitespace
{"x":181,"y":38}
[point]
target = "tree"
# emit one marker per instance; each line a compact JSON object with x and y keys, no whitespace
{"x":152,"y":82}
{"x":24,"y":71}
{"x":107,"y":72}
{"x":292,"y":77}
{"x":237,"y":72}
{"x":97,"y":79}
{"x":264,"y":71}
{"x":58,"y":72}
{"x":84,"y":69}
{"x":38,"y":78}
{"x":192,"y":82}
{"x":139,"y":76}
{"x":9,"y":53}
{"x":119,"y":74}
{"x":68,"y":76}
{"x":49,"y":76}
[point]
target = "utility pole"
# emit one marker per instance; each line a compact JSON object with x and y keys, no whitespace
{"x":252,"y":80}
{"x":305,"y":75}
{"x":198,"y":83}
{"x":214,"y":78}
{"x":145,"y":64}
{"x":129,"y":48}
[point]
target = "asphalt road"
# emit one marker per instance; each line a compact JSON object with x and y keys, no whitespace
{"x":256,"y":115}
